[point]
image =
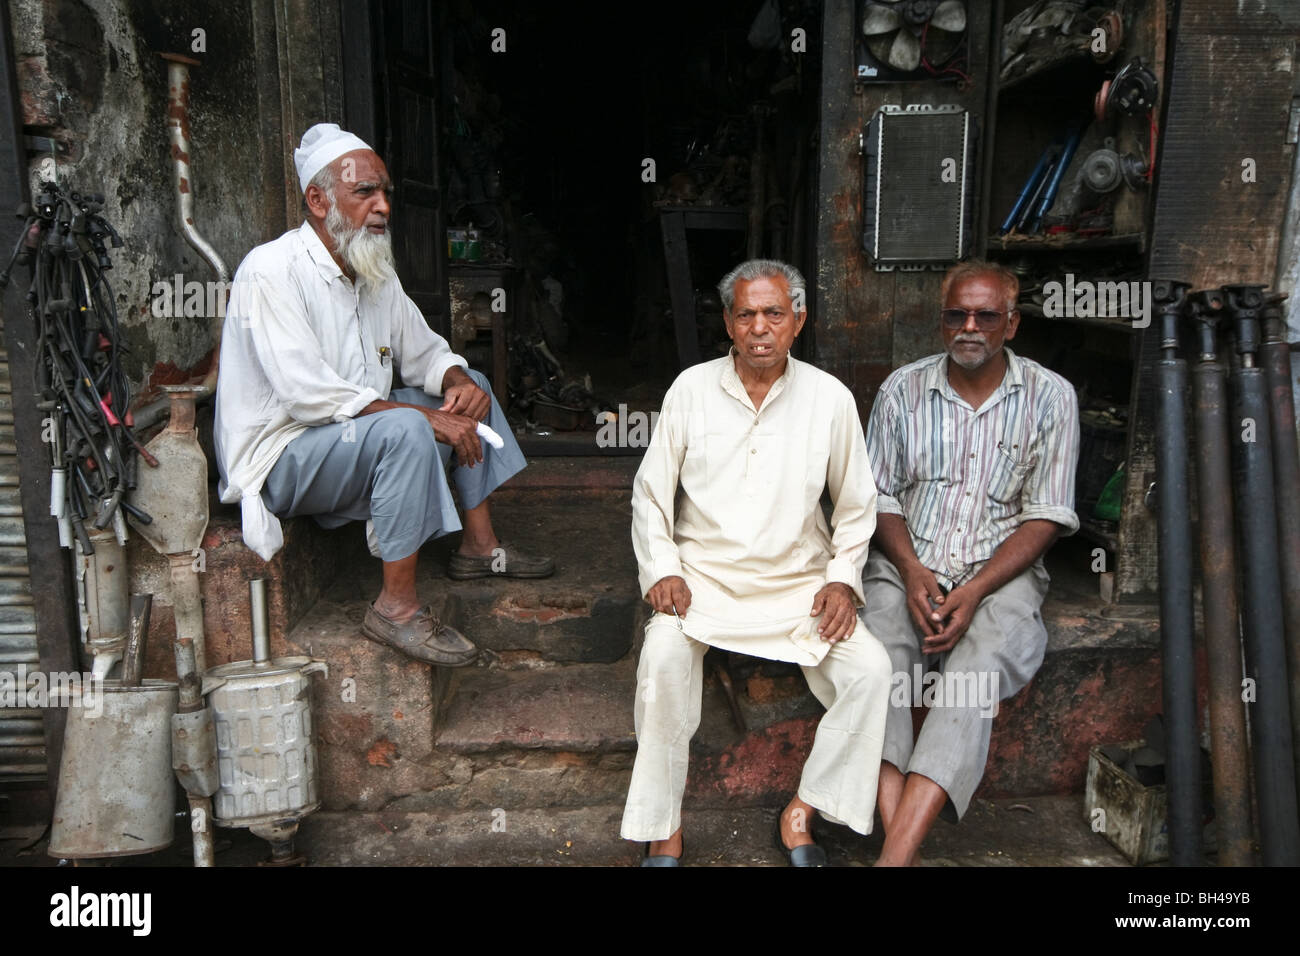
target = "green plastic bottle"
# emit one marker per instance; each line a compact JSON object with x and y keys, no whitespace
{"x":1108,"y":502}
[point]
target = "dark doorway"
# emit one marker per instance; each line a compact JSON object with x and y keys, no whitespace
{"x":547,"y":116}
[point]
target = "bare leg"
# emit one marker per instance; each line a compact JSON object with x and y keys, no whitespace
{"x":478,"y":538}
{"x":889,"y":791}
{"x":911,"y":821}
{"x":398,"y":601}
{"x":796,"y":824}
{"x":670,"y":847}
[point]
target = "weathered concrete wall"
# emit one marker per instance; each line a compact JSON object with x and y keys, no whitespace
{"x":91,"y":77}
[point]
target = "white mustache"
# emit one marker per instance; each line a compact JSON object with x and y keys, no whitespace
{"x":369,"y":255}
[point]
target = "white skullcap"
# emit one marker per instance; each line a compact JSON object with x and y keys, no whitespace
{"x":321,"y":145}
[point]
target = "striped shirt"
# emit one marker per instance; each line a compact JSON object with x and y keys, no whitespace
{"x":965,"y":479}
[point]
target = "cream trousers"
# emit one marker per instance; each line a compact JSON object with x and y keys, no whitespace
{"x":840,"y":774}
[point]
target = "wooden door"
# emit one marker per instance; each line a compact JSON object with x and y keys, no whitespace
{"x":406,"y":119}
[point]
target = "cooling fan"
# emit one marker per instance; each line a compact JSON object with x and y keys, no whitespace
{"x":911,"y":39}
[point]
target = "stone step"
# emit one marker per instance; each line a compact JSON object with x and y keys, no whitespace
{"x":1038,"y":831}
{"x":587,"y":612}
{"x":567,"y":478}
{"x":1034,"y":831}
{"x":583,"y":708}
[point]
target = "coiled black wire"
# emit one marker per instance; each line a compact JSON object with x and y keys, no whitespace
{"x":78,"y":377}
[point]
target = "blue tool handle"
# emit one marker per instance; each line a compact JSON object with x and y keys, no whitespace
{"x":1031,"y":186}
{"x":1027,"y":220}
{"x":1054,"y":184}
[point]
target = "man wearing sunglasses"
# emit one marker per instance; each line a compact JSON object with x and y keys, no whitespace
{"x":974,"y":453}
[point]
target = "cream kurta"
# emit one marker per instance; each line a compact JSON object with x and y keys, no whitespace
{"x":747,"y":532}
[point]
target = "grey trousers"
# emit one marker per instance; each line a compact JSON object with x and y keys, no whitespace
{"x":996,"y":657}
{"x":389,"y":469}
{"x":841,"y":772}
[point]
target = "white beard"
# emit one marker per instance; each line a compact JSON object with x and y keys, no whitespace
{"x":370,"y":257}
{"x":965,"y":359}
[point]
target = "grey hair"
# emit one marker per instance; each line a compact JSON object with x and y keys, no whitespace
{"x":971,"y":268}
{"x":761,"y":269}
{"x":324,"y":180}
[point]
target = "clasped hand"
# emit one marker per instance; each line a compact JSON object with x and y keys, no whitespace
{"x":941,"y":618}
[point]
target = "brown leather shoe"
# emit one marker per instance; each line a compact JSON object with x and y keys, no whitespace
{"x":423,"y":637}
{"x":505,"y":563}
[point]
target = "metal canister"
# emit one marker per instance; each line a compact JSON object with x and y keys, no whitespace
{"x":117,"y":796}
{"x":266,"y":756}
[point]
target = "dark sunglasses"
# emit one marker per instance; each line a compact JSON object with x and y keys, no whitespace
{"x":985,"y":319}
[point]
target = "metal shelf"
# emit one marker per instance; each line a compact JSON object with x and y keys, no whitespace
{"x":1066,"y":242}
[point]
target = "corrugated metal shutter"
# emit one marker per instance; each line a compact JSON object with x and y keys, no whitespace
{"x":22,"y":734}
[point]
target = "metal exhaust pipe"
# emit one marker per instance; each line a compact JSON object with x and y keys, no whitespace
{"x":1228,"y":743}
{"x":104,"y":600}
{"x":1275,"y":787}
{"x":176,"y":495}
{"x":261,"y":621}
{"x":188,"y":649}
{"x":178,"y":131}
{"x":1275,"y":357}
{"x":1174,"y":530}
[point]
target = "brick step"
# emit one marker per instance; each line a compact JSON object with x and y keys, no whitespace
{"x":537,"y":734}
{"x":1051,"y":832}
{"x":581,"y":708}
{"x":1100,"y":683}
{"x":375,"y":712}
{"x":296,"y":575}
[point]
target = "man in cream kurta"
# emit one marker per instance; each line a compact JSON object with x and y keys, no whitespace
{"x":734,"y":552}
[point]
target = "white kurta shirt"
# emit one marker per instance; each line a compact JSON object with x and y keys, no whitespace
{"x":302,"y":346}
{"x":728,"y":498}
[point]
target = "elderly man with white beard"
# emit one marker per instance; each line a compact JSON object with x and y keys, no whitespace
{"x":307,"y":420}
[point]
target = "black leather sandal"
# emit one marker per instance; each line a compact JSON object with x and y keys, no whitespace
{"x":810,"y":854}
{"x":662,"y":859}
